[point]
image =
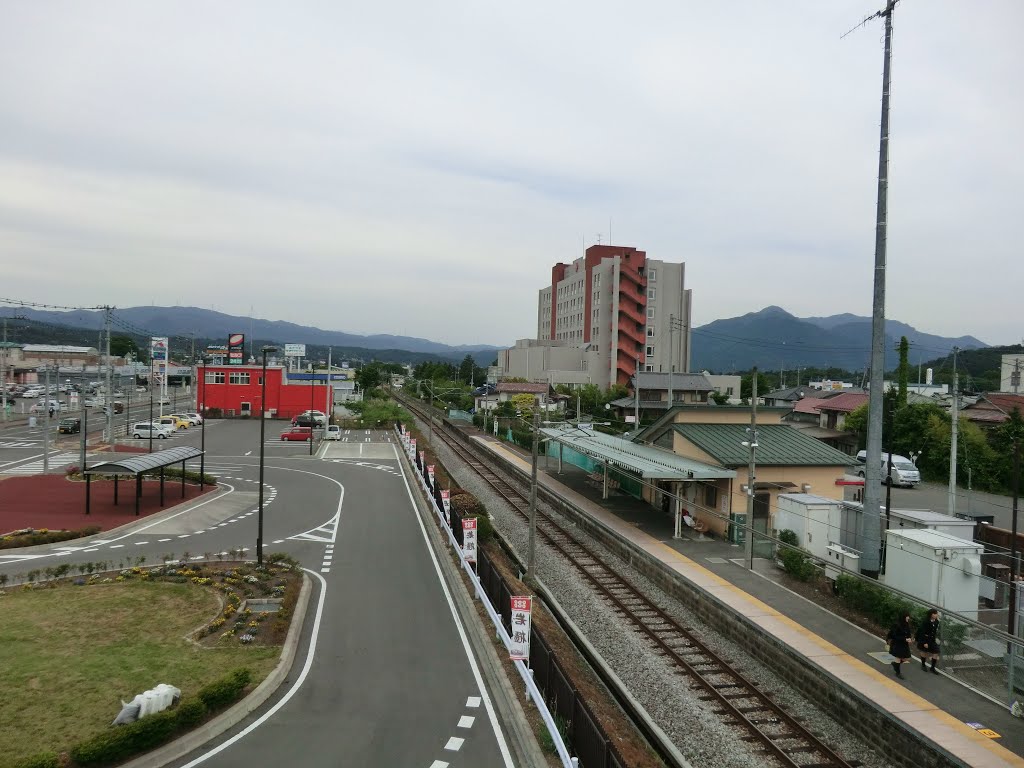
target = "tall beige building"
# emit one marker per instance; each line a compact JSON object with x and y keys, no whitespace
{"x":603,"y":316}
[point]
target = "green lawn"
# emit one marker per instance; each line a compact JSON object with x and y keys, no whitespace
{"x":69,"y":655}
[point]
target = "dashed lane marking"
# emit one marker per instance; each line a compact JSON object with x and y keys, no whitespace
{"x":466,"y":721}
{"x":454,"y":744}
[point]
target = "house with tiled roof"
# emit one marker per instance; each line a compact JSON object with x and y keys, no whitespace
{"x":833,"y":412}
{"x":786,"y":461}
{"x":543,"y":395}
{"x":993,"y":409}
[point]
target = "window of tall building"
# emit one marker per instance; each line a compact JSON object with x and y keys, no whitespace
{"x":650,"y":351}
{"x":650,"y":311}
{"x":650,"y":331}
{"x":650,"y":293}
{"x":215,"y":377}
{"x":651,"y":275}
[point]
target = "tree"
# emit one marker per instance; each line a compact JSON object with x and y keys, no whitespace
{"x":466,"y":369}
{"x":370,"y":376}
{"x":720,"y":398}
{"x":121,"y":345}
{"x":523,"y":402}
{"x":903,"y":372}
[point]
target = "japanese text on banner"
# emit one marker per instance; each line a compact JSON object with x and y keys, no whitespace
{"x":519,"y":650}
{"x":469,"y":539}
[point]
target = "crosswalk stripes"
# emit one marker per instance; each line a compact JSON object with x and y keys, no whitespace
{"x":36,"y":467}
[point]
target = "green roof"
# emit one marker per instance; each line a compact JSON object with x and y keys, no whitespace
{"x":777,"y":444}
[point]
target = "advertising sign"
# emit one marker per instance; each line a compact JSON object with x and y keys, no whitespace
{"x":430,"y":474}
{"x":412,"y":447}
{"x":423,"y":458}
{"x":519,"y":650}
{"x":158,"y":349}
{"x":294,"y":350}
{"x":236,"y":349}
{"x":446,"y":502}
{"x":469,"y":539}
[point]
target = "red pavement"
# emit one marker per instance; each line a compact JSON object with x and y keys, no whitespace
{"x":54,"y":502}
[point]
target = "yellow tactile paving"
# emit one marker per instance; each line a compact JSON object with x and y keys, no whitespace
{"x":918,"y":714}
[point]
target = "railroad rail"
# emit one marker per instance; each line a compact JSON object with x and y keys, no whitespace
{"x":737,"y":700}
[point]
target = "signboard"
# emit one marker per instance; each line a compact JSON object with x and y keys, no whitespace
{"x":294,"y":350}
{"x":469,"y":539}
{"x":519,"y":650}
{"x":158,"y":349}
{"x":423,"y":458}
{"x":236,"y":349}
{"x":430,"y":474}
{"x":446,"y":502}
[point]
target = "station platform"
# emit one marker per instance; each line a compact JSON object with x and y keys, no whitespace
{"x":938,"y":707}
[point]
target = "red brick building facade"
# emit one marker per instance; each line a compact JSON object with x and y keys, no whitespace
{"x":237,"y":391}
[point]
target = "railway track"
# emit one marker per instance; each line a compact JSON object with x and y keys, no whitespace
{"x":736,"y":700}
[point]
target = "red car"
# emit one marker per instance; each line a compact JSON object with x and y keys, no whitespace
{"x":298,"y":433}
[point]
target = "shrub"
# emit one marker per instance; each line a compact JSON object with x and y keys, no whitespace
{"x":120,"y":742}
{"x":220,"y":693}
{"x":42,"y":760}
{"x":484,"y":529}
{"x":795,"y":560}
{"x":31,"y":538}
{"x":190,"y":713}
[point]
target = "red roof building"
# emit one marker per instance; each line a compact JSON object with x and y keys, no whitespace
{"x":993,"y":409}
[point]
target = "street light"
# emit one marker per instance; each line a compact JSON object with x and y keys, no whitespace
{"x":532,"y":549}
{"x":751,"y":443}
{"x":263,"y":426}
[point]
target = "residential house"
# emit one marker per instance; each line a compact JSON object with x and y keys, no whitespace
{"x":543,"y":395}
{"x":992,"y":409}
{"x":654,"y":390}
{"x":786,"y":460}
{"x":834,"y":410}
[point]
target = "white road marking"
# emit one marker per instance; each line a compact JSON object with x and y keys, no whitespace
{"x":248,"y":453}
{"x":473,"y":701}
{"x":91,"y":549}
{"x":163,"y":540}
{"x":466,"y":721}
{"x":291,"y":691}
{"x":439,"y":764}
{"x":488,"y":706}
{"x":454,"y":744}
{"x":112,"y":546}
{"x":141,"y":543}
{"x":325,"y":570}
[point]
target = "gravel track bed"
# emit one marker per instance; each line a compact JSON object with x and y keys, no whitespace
{"x":670,"y":699}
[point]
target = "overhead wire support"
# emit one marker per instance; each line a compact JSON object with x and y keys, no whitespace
{"x":871,"y":519}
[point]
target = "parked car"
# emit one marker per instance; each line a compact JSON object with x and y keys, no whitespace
{"x":164,"y":401}
{"x":194,"y":417}
{"x":69,"y":426}
{"x":191,"y":418}
{"x":145,"y":429}
{"x":904,"y":472}
{"x":333,"y":432}
{"x":297,"y":433}
{"x":319,"y":418}
{"x":172,"y":423}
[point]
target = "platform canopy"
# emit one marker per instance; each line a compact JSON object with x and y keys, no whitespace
{"x":648,"y":462}
{"x":137,"y":463}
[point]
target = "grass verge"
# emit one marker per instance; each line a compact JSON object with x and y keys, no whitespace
{"x":71,"y":654}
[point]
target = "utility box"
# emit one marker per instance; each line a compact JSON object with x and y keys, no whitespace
{"x":908,"y":519}
{"x":814,"y":519}
{"x":938,"y":569}
{"x":838,"y":558}
{"x":996,"y":585}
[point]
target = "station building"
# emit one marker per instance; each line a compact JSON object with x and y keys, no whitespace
{"x":236,"y":390}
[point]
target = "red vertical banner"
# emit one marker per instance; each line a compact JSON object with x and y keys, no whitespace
{"x":469,"y":539}
{"x":522,"y":607}
{"x":430,"y":474}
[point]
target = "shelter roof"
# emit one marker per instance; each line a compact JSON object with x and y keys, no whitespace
{"x":63,"y":349}
{"x":137,"y":463}
{"x":648,"y":461}
{"x":777,"y":444}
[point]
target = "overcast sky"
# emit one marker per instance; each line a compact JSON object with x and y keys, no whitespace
{"x":417,"y":168}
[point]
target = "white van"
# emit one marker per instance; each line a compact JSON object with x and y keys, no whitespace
{"x":904,"y":472}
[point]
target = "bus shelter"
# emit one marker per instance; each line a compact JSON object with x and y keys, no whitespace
{"x":136,"y":465}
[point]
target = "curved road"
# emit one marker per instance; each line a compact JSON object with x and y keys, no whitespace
{"x":385,"y":675}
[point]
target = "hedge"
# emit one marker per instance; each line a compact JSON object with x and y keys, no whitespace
{"x":43,"y":760}
{"x":795,"y":560}
{"x":119,"y":743}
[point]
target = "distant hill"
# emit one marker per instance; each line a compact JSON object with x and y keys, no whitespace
{"x":210,"y":326}
{"x":773,"y":338}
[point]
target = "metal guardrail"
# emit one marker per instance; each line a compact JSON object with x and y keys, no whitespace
{"x":533,"y":692}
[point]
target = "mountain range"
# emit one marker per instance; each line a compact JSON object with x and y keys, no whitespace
{"x":771,"y":338}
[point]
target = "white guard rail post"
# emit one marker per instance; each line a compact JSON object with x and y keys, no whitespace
{"x":524,"y":671}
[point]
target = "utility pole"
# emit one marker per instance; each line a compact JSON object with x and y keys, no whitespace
{"x":636,"y":394}
{"x":45,"y":415}
{"x":532,"y":548}
{"x":953,"y":435}
{"x":671,"y":329}
{"x":751,"y":443}
{"x":3,"y":375}
{"x":108,"y":401}
{"x":1012,"y":628}
{"x":871,"y":519}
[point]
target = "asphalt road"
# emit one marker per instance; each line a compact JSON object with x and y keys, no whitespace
{"x":385,"y":676}
{"x":935,"y":496}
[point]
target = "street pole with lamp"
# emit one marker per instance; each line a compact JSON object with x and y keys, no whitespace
{"x":751,"y":443}
{"x":151,"y":425}
{"x":263,"y":424}
{"x":312,"y":402}
{"x":201,"y":408}
{"x":1014,"y":586}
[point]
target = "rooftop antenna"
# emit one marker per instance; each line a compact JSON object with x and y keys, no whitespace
{"x":872,"y":524}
